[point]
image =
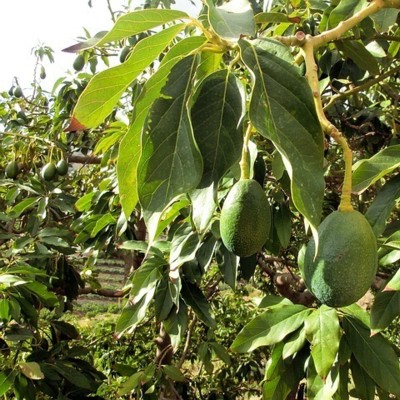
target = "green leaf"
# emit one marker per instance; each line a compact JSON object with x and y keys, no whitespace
{"x":146,"y":278}
{"x":84,"y":203}
{"x":344,"y":10}
{"x":166,"y":296}
{"x":232,"y":20}
{"x":364,"y":386}
{"x":176,"y":323}
{"x":360,"y":55}
{"x":394,"y":283}
{"x":216,"y":119}
{"x":374,"y":354}
{"x":323,"y":332}
{"x":195,"y":298}
{"x":71,"y":374}
{"x":170,"y":163}
{"x":221,"y":352}
{"x":227,"y":263}
{"x":140,"y":21}
{"x":173,"y":373}
{"x":105,"y":89}
{"x":368,"y":171}
{"x":282,"y":110}
{"x":184,"y":245}
{"x":322,"y":389}
{"x":385,"y":309}
{"x":23,"y":206}
{"x":294,"y":343}
{"x":283,"y":224}
{"x":131,"y":383}
{"x":270,"y":327}
{"x":382,"y":205}
{"x":6,"y":381}
{"x":384,"y":19}
{"x":31,"y":370}
{"x":101,"y":223}
{"x":271,"y":300}
{"x":271,"y":17}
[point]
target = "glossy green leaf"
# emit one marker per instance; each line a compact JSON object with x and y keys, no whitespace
{"x":294,"y":343}
{"x":23,"y":206}
{"x":73,"y":375}
{"x":194,"y":298}
{"x":184,"y":245}
{"x":140,"y":21}
{"x":386,"y":306}
{"x":145,"y":278}
{"x":322,"y":389}
{"x":368,"y":171}
{"x":6,"y":381}
{"x":282,"y":110}
{"x":356,"y":51}
{"x":232,"y":20}
{"x":227,"y":263}
{"x":323,"y":332}
{"x":271,"y":300}
{"x":31,"y":370}
{"x":105,"y":89}
{"x":102,"y":222}
{"x":384,"y":202}
{"x":216,"y":116}
{"x":171,"y":163}
{"x":364,"y":386}
{"x":176,"y":323}
{"x":344,"y":10}
{"x":374,"y":354}
{"x":270,"y":327}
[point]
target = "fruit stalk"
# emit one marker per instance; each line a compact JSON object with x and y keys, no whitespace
{"x":327,"y":126}
{"x":244,"y":162}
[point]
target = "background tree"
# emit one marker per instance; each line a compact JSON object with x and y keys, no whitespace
{"x":301,"y":97}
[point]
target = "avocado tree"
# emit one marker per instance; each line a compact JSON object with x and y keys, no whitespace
{"x":262,"y":152}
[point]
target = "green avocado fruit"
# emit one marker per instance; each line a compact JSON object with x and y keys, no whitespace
{"x":48,"y":172}
{"x":245,"y":218}
{"x":346,"y":262}
{"x":18,"y":92}
{"x":12,"y":170}
{"x":62,"y":167}
{"x":79,"y":63}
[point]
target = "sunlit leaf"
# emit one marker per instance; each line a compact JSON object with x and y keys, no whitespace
{"x":368,"y":171}
{"x":270,"y":327}
{"x":105,"y":89}
{"x":130,"y":147}
{"x":344,"y":10}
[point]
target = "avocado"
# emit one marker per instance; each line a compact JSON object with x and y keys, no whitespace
{"x":124,"y":53}
{"x":245,"y":218}
{"x":79,"y":63}
{"x":18,"y":92}
{"x":62,"y":167}
{"x":12,"y":170}
{"x":48,"y":172}
{"x":346,"y":261}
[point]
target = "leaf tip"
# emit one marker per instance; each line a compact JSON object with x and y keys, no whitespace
{"x":75,"y":125}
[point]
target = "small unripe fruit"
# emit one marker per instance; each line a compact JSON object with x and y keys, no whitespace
{"x":48,"y":172}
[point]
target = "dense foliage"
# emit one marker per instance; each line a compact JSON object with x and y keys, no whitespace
{"x":132,"y":156}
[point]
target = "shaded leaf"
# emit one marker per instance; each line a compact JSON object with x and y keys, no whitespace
{"x":344,"y":10}
{"x":384,"y":19}
{"x":368,"y":171}
{"x":216,"y":119}
{"x":364,"y":386}
{"x":360,"y":55}
{"x":374,"y":354}
{"x":31,"y":370}
{"x":6,"y":381}
{"x":382,"y":205}
{"x":227,"y":263}
{"x":282,"y":110}
{"x":232,"y":20}
{"x":194,"y":298}
{"x":294,"y":343}
{"x":170,"y":163}
{"x":173,"y":373}
{"x":105,"y":89}
{"x":101,"y":223}
{"x":270,"y":327}
{"x":176,"y":323}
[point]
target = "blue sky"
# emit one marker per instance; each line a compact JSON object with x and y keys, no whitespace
{"x":56,"y":23}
